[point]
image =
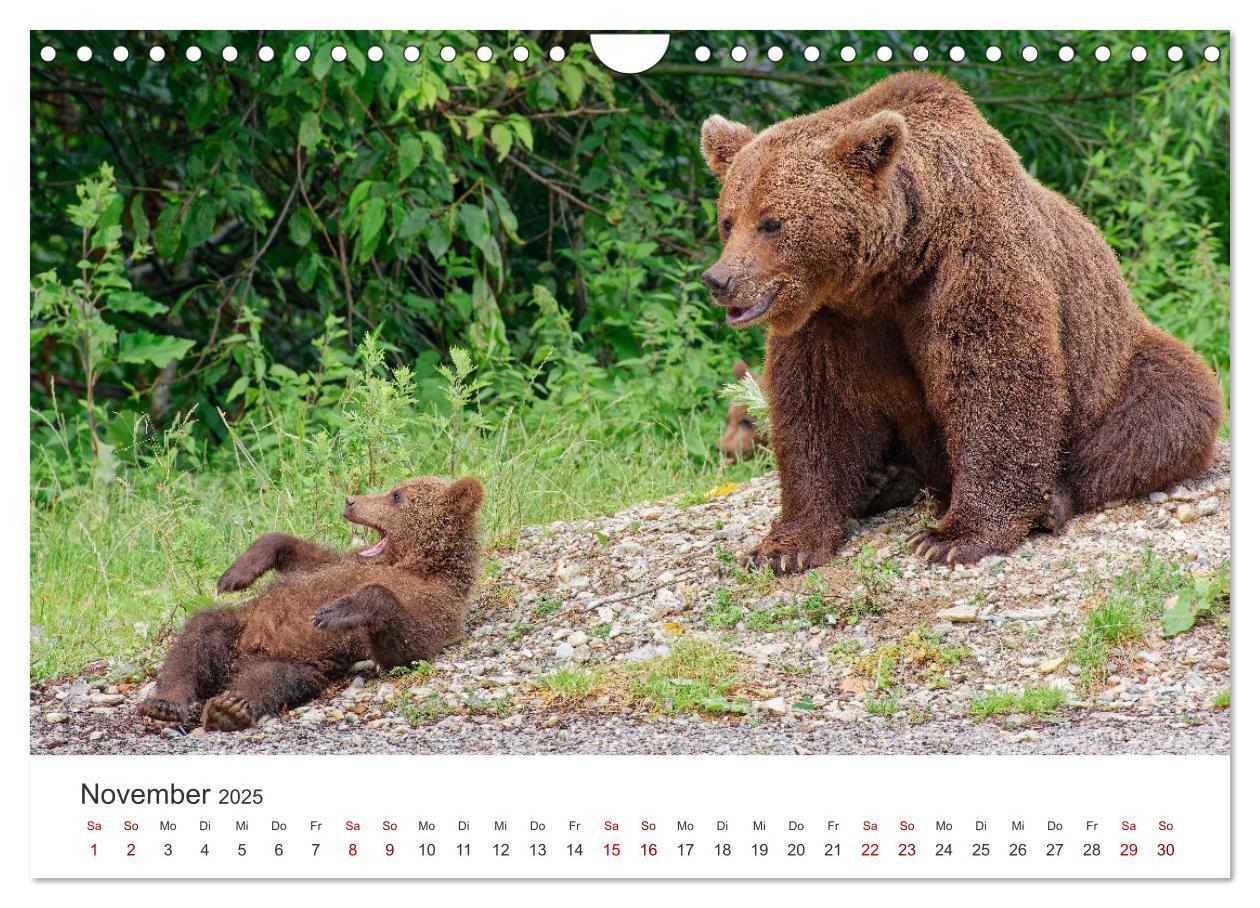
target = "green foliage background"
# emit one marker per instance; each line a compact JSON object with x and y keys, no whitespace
{"x":550,"y":219}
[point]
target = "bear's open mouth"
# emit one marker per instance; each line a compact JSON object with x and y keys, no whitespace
{"x":743,"y":315}
{"x":375,"y":548}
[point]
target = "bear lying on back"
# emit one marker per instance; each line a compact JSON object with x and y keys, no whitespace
{"x":932,"y":306}
{"x":396,"y":601}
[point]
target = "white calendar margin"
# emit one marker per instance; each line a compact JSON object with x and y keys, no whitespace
{"x":645,"y":14}
{"x":521,"y":792}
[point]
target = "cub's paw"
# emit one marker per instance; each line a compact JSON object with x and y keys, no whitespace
{"x":894,"y":486}
{"x":226,"y":713}
{"x":788,"y":558}
{"x":339,"y":615}
{"x":1059,"y":509}
{"x":241,"y":575}
{"x":169,"y":711}
{"x":941,"y":548}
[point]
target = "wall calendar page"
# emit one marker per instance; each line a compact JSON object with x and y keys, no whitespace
{"x":682,"y":452}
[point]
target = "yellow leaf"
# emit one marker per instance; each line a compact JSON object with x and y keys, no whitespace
{"x":673,"y":628}
{"x":722,"y":491}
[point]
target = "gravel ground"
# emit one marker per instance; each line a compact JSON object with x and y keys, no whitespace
{"x":907,"y":649}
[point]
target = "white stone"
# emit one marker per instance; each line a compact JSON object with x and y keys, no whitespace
{"x":960,"y":614}
{"x":1030,"y":614}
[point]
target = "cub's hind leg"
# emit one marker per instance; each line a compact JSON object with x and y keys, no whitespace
{"x":260,"y":688}
{"x":196,"y":667}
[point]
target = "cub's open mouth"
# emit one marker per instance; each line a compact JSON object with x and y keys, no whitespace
{"x":743,"y":315}
{"x":375,"y":548}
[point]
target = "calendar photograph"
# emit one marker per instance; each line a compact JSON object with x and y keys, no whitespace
{"x":564,"y":393}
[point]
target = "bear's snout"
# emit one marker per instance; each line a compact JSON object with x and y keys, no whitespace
{"x":718,"y":279}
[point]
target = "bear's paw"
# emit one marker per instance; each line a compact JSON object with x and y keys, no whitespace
{"x":339,"y":615}
{"x":167,"y":711}
{"x":225,"y":713}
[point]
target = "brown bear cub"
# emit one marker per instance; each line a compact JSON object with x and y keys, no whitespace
{"x":931,"y":305}
{"x":401,"y":599}
{"x":741,"y":438}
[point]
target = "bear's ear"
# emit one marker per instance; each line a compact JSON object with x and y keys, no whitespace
{"x":875,"y":143}
{"x":720,"y":139}
{"x":464,"y":495}
{"x":741,"y":369}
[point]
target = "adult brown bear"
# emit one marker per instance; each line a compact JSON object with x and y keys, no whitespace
{"x":932,"y":305}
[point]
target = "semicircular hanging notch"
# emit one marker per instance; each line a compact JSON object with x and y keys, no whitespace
{"x":629,"y":54}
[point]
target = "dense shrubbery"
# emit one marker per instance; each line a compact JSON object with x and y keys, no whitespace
{"x":249,"y":274}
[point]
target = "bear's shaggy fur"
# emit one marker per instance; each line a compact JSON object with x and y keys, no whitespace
{"x":931,"y":305}
{"x":396,"y":601}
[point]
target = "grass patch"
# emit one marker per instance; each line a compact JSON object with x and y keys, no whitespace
{"x":420,"y":670}
{"x":783,"y":615}
{"x":871,"y":594}
{"x":695,"y":676}
{"x":570,"y":683}
{"x":1036,"y":700}
{"x":1134,"y":606}
{"x":1221,"y":700}
{"x":918,"y":654}
{"x":876,"y":577}
{"x":434,"y":708}
{"x":791,"y":611}
{"x":1117,"y":621}
{"x":883,"y":704}
{"x":476,"y":704}
{"x":416,"y":673}
{"x":844,"y":651}
{"x":430,"y":710}
{"x":725,"y":610}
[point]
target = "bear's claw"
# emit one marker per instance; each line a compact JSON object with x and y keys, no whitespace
{"x":787,"y":562}
{"x":225,"y":713}
{"x":934,"y":547}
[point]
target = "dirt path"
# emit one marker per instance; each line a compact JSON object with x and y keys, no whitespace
{"x":878,"y":652}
